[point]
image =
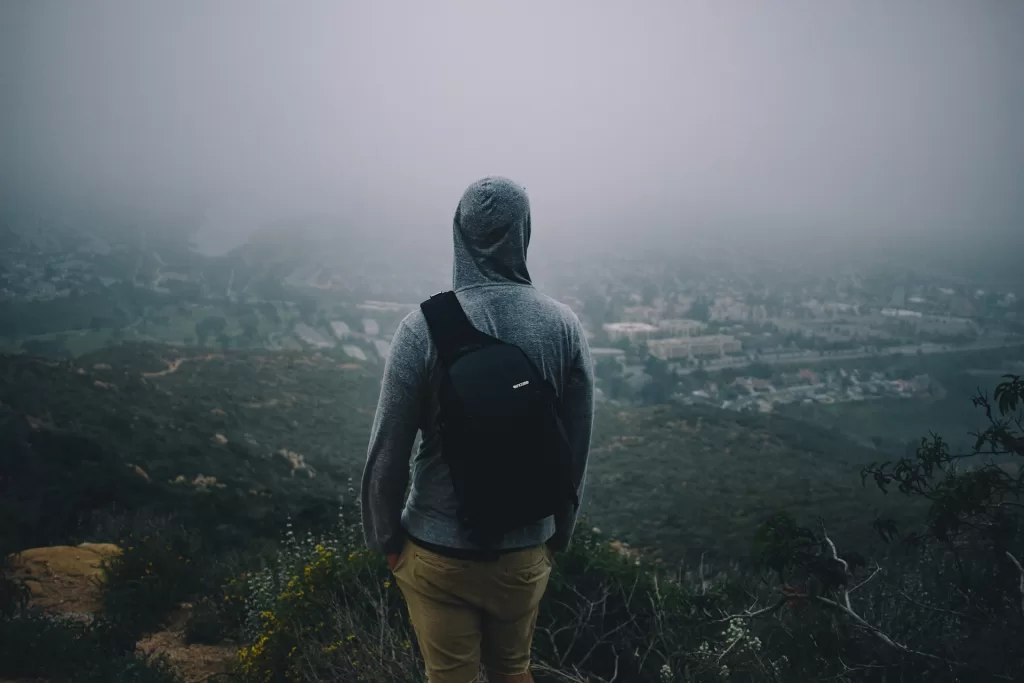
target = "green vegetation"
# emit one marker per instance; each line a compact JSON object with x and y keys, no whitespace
{"x":691,"y":482}
{"x":151,"y":577}
{"x":761,"y":557}
{"x":68,"y":651}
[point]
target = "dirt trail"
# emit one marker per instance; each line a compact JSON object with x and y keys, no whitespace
{"x":174,"y":365}
{"x":68,"y":580}
{"x":194,"y":662}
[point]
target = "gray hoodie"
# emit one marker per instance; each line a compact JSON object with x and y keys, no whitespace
{"x":491,"y":234}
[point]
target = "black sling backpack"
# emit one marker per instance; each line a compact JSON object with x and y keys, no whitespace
{"x":501,"y":434}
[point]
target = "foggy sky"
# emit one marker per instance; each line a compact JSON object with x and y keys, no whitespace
{"x":640,"y":118}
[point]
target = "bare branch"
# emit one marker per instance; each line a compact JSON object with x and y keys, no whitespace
{"x":1020,"y":570}
{"x":933,"y":607}
{"x":775,"y":607}
{"x":835,"y":557}
{"x":877,"y":632}
{"x":878,"y":569}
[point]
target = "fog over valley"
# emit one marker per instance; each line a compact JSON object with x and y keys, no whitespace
{"x":796,"y":120}
{"x":767,"y":254}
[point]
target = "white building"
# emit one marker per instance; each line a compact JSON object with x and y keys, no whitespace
{"x":726,"y":308}
{"x":370,"y":327}
{"x":711,"y":346}
{"x":341,"y":329}
{"x":640,"y":314}
{"x":680,"y":327}
{"x":596,"y":351}
{"x":354,"y":352}
{"x":387,"y":306}
{"x":634,"y":332}
{"x":901,"y":313}
{"x":312,"y":337}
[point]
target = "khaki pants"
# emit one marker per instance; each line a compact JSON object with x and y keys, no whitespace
{"x":467,"y":613}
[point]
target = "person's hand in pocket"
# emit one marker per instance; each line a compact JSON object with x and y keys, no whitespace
{"x":392,"y":561}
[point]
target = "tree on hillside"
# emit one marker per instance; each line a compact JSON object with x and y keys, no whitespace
{"x":950,"y":605}
{"x":976,"y":499}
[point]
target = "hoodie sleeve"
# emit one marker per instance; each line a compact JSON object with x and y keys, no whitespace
{"x":578,"y":418}
{"x":395,"y":425}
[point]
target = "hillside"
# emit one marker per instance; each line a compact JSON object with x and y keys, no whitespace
{"x":264,"y":432}
{"x":134,"y":426}
{"x":687,"y":482}
{"x":193,"y":464}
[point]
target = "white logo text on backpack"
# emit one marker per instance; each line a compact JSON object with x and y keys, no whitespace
{"x":520,"y":385}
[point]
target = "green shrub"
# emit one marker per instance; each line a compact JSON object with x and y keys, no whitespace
{"x":62,"y":650}
{"x":328,"y":611}
{"x":206,"y":624}
{"x":150,"y":578}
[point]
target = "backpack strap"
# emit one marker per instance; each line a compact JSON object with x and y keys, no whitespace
{"x":450,"y":328}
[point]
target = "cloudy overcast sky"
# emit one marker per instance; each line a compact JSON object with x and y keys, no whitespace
{"x":648,"y":117}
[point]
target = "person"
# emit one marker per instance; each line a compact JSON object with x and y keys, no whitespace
{"x":472,"y":606}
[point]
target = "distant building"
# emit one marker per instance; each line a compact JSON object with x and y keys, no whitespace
{"x":712,"y":346}
{"x":382,"y":347}
{"x":832,"y":308}
{"x":341,"y":329}
{"x":726,"y":308}
{"x":604,"y":351}
{"x":597,"y":352}
{"x":633,"y":331}
{"x":354,"y":352}
{"x":370,"y":327}
{"x":640,"y":314}
{"x":312,"y":337}
{"x":680,"y":327}
{"x":387,"y":306}
{"x":947,"y":325}
{"x":901,"y":313}
{"x":809,"y":375}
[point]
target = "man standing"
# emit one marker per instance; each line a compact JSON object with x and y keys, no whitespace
{"x":495,"y":483}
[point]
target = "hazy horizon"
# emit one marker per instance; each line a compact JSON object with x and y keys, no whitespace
{"x":866,"y":121}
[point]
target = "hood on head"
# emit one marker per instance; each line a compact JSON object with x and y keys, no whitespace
{"x":491,"y":232}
